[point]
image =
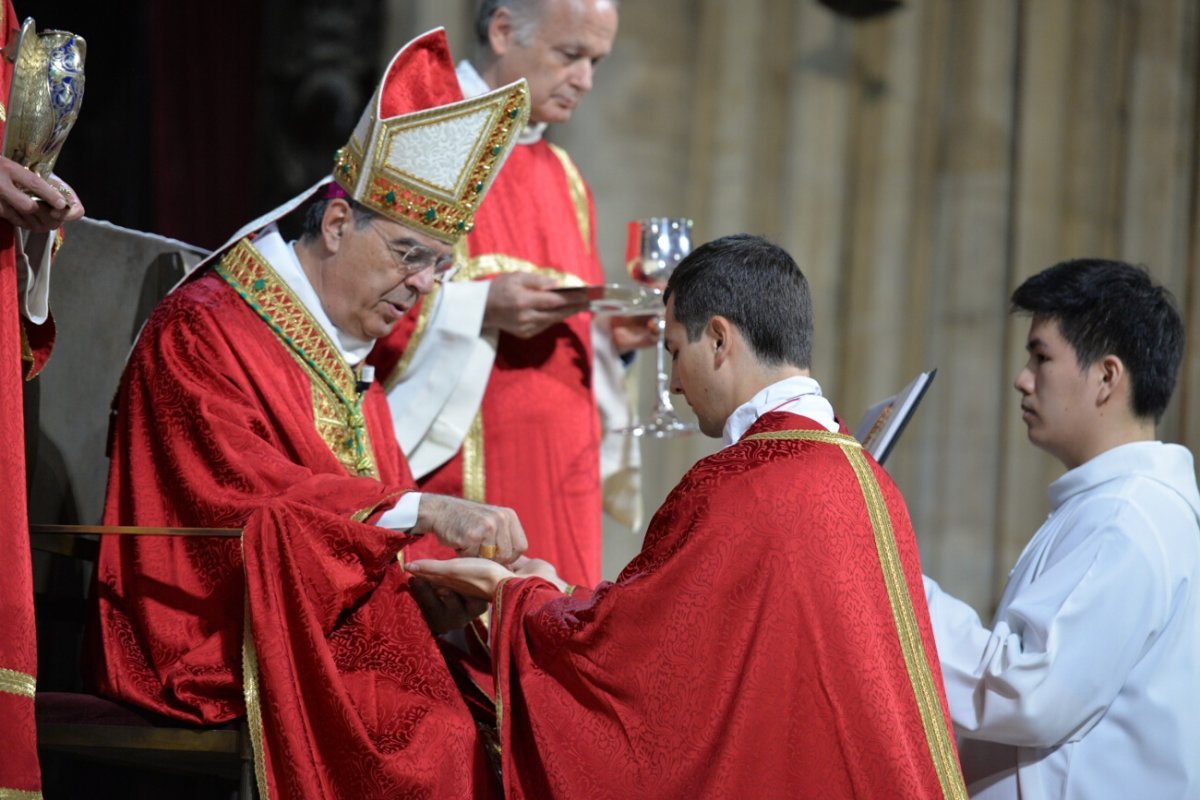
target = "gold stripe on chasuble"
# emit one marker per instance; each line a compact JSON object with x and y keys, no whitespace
{"x":19,"y":683}
{"x":18,"y":794}
{"x":579,"y":199}
{"x":336,"y":403}
{"x":26,"y":350}
{"x":916,"y":661}
{"x":497,"y":610}
{"x":254,"y":723}
{"x":473,"y":475}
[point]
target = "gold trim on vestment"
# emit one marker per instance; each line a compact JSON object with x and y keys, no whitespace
{"x":18,"y":794}
{"x":254,"y":722}
{"x":579,"y":198}
{"x":336,"y":402}
{"x":413,"y":201}
{"x":496,"y":605}
{"x":21,"y":684}
{"x":26,"y":350}
{"x":916,"y":661}
{"x":474,"y":476}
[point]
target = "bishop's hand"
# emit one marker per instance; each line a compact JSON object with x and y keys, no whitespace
{"x":471,"y":528}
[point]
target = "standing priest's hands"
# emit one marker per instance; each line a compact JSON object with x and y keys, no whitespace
{"x":472,"y":529}
{"x":525,"y":304}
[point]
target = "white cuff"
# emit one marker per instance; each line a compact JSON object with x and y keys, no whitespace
{"x":403,"y":515}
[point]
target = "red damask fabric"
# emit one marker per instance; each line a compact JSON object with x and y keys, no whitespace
{"x":541,"y":437}
{"x":19,"y":770}
{"x":216,"y":429}
{"x":748,"y":651}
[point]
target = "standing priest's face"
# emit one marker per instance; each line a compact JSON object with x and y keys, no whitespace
{"x":379,"y":270}
{"x":557,"y":50}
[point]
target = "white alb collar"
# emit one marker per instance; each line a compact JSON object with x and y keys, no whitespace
{"x":282,"y":257}
{"x":473,"y":85}
{"x":796,"y":395}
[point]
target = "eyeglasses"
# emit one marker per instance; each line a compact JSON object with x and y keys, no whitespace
{"x":416,"y":258}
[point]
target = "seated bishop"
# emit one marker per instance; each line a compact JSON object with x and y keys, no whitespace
{"x":245,"y":405}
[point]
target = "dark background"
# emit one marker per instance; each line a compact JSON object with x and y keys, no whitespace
{"x":198,"y":117}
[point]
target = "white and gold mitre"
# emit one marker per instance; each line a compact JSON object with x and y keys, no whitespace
{"x":422,"y":155}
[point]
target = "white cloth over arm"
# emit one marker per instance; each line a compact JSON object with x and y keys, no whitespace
{"x":34,"y":252}
{"x":1094,"y":653}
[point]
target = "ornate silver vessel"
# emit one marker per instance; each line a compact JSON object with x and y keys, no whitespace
{"x":44,"y":97}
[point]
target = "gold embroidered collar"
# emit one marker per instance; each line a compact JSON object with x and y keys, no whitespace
{"x":338,"y":412}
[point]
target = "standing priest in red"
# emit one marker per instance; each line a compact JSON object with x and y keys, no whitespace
{"x":515,"y":423}
{"x":245,"y":405}
{"x":31,"y":210}
{"x":771,"y":639}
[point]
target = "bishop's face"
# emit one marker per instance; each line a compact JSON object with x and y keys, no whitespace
{"x":380,"y":270}
{"x":694,"y":375}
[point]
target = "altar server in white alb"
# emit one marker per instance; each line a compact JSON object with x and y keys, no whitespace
{"x":1087,"y":683}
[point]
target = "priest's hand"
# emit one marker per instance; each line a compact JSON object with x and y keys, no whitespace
{"x":524,"y":304}
{"x":20,"y":191}
{"x":472,"y":577}
{"x":471,"y":528}
{"x":444,"y":609}
{"x":537,"y":568}
{"x":479,"y":577}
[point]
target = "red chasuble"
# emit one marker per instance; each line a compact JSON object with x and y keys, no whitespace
{"x":535,"y":445}
{"x":237,"y":411}
{"x":24,"y":348}
{"x":771,"y":640}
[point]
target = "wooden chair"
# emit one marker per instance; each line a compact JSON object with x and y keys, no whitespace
{"x":96,"y":728}
{"x":108,"y":279}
